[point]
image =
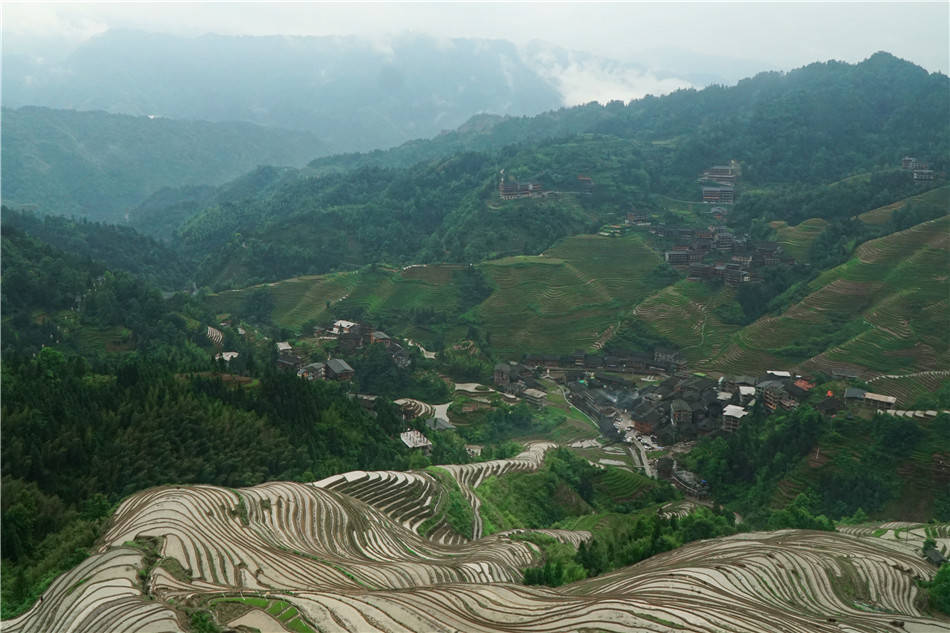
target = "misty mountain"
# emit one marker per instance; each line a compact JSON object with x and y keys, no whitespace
{"x":353,"y":93}
{"x":98,"y":165}
{"x":436,"y":200}
{"x":817,"y":123}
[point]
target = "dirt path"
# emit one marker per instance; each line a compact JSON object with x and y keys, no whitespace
{"x":933,"y":372}
{"x":702,"y":329}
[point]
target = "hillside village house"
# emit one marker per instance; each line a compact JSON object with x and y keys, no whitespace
{"x":342,"y":326}
{"x":380,"y":337}
{"x":722,"y":195}
{"x":339,"y":369}
{"x":313,"y":371}
{"x":723,"y":174}
{"x":732,"y":417}
{"x":287,"y":358}
{"x":534,"y":397}
{"x":415,"y":439}
{"x":680,"y":412}
{"x":510,"y":190}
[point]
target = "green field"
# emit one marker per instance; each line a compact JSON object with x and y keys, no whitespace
{"x":684,"y":314}
{"x":797,"y":240}
{"x":384,"y":295}
{"x":296,"y":300}
{"x":566,"y":298}
{"x":884,"y":310}
{"x":939,"y":198}
{"x":559,"y":301}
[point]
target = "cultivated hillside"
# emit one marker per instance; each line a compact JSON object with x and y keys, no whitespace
{"x":882,"y":311}
{"x":345,"y":554}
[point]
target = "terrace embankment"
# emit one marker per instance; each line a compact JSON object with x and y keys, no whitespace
{"x":346,"y":554}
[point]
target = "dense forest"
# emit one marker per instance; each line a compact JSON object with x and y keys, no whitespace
{"x":872,"y":463}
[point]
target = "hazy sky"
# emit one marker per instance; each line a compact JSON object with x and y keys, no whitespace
{"x":776,"y":35}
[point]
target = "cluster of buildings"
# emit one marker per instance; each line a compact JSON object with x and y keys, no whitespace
{"x":350,"y":336}
{"x":510,"y":189}
{"x":717,"y":253}
{"x":332,"y":369}
{"x":684,"y":406}
{"x":518,"y":380}
{"x":661,"y":360}
{"x":919,"y":168}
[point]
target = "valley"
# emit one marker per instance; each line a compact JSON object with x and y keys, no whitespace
{"x":677,"y":363}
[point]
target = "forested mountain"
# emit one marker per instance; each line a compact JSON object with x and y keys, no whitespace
{"x":119,"y":248}
{"x":793,"y":136}
{"x":99,"y":165}
{"x":353,"y":93}
{"x":814,"y":124}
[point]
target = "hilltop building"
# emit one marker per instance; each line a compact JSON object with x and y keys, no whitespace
{"x":722,"y":195}
{"x":732,"y":417}
{"x":535,"y":397}
{"x":510,"y":190}
{"x":722,"y":174}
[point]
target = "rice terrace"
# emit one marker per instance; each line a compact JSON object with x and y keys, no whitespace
{"x":342,"y":553}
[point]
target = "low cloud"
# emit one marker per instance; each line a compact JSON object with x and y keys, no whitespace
{"x":583,"y":78}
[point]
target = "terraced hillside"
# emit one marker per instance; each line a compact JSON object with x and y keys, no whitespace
{"x":684,"y":313}
{"x":883,"y":311}
{"x":296,"y":557}
{"x":572,"y":296}
{"x":937,"y":199}
{"x":383,"y":294}
{"x":796,"y":240}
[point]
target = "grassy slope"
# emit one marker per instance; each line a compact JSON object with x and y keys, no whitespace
{"x":939,"y":197}
{"x":883,"y":311}
{"x":382,"y":293}
{"x":538,"y":499}
{"x":916,"y":476}
{"x":555,"y":302}
{"x":566,"y":298}
{"x":796,"y":240}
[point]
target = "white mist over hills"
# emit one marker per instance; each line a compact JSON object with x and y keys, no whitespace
{"x":354,"y":93}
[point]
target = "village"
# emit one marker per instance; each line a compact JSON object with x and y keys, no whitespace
{"x":648,"y":408}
